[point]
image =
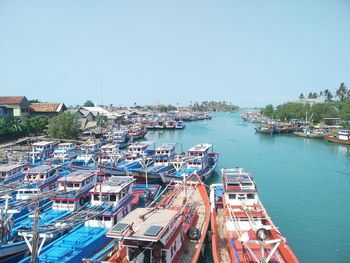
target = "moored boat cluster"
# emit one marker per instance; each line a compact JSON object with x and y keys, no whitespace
{"x":130,"y":202}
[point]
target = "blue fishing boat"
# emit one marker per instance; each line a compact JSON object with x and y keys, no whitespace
{"x":112,"y":200}
{"x":65,"y":152}
{"x":133,"y":159}
{"x":121,"y":139}
{"x":40,"y":151}
{"x":11,"y":172}
{"x":161,"y":164}
{"x":198,"y":160}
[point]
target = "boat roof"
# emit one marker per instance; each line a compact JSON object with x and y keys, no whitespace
{"x":237,"y":180}
{"x":166,"y":147}
{"x":44,"y":143}
{"x":89,"y":145}
{"x":42,"y":168}
{"x":113,"y":184}
{"x":66,"y":144}
{"x":77,"y":176}
{"x":109,"y":146}
{"x":10,"y":166}
{"x":139,"y":145}
{"x":146,"y":224}
{"x":200,"y":147}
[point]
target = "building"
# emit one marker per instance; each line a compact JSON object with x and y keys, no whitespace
{"x":13,"y":106}
{"x":47,"y":109}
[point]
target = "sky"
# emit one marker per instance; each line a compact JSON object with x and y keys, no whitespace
{"x":249,"y":52}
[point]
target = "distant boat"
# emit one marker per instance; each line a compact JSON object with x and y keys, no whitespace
{"x":309,"y":133}
{"x":342,"y":136}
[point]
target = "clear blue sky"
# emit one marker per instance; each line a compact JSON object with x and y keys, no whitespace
{"x":247,"y":52}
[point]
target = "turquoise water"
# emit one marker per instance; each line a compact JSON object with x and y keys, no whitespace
{"x":303,"y":183}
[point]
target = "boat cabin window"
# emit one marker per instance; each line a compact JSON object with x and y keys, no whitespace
{"x":107,"y":218}
{"x":231,"y":196}
{"x":69,"y":185}
{"x":42,"y":176}
{"x":112,"y":198}
{"x":250,"y":196}
{"x":241,"y":196}
{"x":76,"y":185}
{"x":96,"y":197}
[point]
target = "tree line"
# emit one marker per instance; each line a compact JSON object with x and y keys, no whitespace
{"x":335,"y":105}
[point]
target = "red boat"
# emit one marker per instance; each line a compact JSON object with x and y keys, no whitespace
{"x":242,"y":231}
{"x":137,"y":132}
{"x":173,"y":231}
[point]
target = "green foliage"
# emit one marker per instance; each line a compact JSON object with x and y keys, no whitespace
{"x":37,"y":125}
{"x":101,"y":121}
{"x":268,"y":111}
{"x":342,"y":92}
{"x":324,"y":110}
{"x":3,"y":126}
{"x":34,"y":101}
{"x":64,"y":126}
{"x":164,"y":108}
{"x":89,"y":103}
{"x":291,"y":110}
{"x":214,"y":106}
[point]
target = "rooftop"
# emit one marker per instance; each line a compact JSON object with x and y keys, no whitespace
{"x":150,"y":229}
{"x":42,"y":168}
{"x":77,"y":176}
{"x":10,"y":166}
{"x":200,"y":147}
{"x":11,"y":100}
{"x":44,"y":143}
{"x":46,"y":107}
{"x":113,"y":184}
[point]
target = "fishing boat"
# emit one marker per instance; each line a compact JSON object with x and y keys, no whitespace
{"x":341,"y":136}
{"x":242,"y":231}
{"x":72,"y":195}
{"x":173,"y":231}
{"x":268,"y":129}
{"x":180,"y":125}
{"x":65,"y":152}
{"x":121,"y":139}
{"x":11,"y":172}
{"x":199,"y":160}
{"x":84,"y":162}
{"x":135,"y":156}
{"x":89,"y":148}
{"x":40,"y":151}
{"x":137,"y":132}
{"x":159,"y":125}
{"x":170,"y":124}
{"x":161,"y":164}
{"x":307,"y":132}
{"x":39,"y":179}
{"x":110,"y":202}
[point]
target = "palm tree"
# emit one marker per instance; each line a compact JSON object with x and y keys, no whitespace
{"x":342,"y":92}
{"x":328,"y":95}
{"x":301,"y":96}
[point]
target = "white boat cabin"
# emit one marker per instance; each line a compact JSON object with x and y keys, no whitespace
{"x":41,"y":150}
{"x":75,"y":188}
{"x":11,"y":172}
{"x":65,"y":151}
{"x":90,"y":148}
{"x":200,"y":150}
{"x":115,"y":195}
{"x":84,"y":160}
{"x":239,"y":187}
{"x":343,"y":135}
{"x":138,"y":148}
{"x":109,"y":149}
{"x":41,"y":178}
{"x":156,"y":231}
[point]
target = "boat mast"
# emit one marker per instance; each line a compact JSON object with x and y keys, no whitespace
{"x":35,"y":233}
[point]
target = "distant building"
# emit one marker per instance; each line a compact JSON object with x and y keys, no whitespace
{"x":47,"y":109}
{"x":309,"y":101}
{"x":13,"y":106}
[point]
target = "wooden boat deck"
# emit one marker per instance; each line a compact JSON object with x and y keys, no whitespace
{"x":222,"y":238}
{"x":194,"y":198}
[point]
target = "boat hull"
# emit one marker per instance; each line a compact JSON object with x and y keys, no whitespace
{"x":330,"y":138}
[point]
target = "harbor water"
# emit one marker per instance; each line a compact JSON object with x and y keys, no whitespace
{"x":303,"y":183}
